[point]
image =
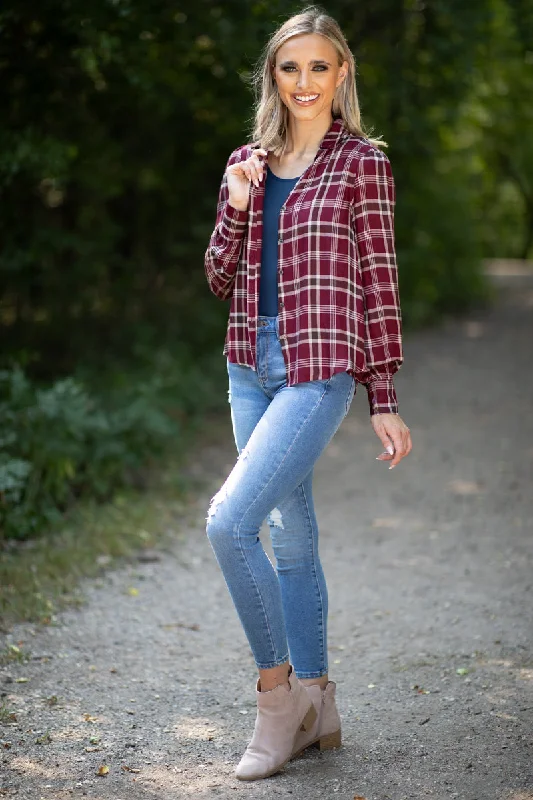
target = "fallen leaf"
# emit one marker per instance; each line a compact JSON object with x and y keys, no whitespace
{"x":88,"y":718}
{"x":129,"y":769}
{"x":371,"y":685}
{"x":21,"y":680}
{"x":462,"y":671}
{"x":132,"y":591}
{"x":386,"y":522}
{"x":148,"y":556}
{"x":94,"y":740}
{"x":169,"y":625}
{"x":103,"y":770}
{"x":474,"y":329}
{"x":358,"y":797}
{"x":465,"y":487}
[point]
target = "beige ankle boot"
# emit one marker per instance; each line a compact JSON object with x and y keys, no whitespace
{"x":281,"y":713}
{"x":326,"y":732}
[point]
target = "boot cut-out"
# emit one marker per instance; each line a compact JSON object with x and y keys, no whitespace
{"x":281,"y":714}
{"x":326,"y":731}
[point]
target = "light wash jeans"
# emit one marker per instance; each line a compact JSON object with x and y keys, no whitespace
{"x":280,"y":432}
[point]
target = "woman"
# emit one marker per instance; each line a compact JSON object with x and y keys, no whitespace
{"x":304,"y":248}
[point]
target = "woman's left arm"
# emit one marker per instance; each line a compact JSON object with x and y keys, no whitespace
{"x":374,"y":203}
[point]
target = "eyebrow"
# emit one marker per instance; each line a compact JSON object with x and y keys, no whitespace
{"x":314,"y":61}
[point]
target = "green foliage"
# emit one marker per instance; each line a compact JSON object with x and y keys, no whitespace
{"x":499,"y":119}
{"x":117,"y":119}
{"x":61,"y":443}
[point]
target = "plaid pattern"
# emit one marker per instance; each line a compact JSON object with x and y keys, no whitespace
{"x":339,"y":305}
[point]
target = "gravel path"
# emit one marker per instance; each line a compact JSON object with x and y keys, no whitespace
{"x":430,"y":575}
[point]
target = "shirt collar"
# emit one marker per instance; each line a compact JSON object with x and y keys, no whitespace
{"x":333,"y":135}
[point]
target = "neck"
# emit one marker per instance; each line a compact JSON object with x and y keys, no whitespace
{"x":304,"y":136}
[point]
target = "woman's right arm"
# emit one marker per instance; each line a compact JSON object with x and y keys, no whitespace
{"x":223,"y":252}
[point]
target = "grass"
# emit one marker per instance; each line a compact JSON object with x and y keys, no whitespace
{"x":13,"y":654}
{"x":6,"y":714}
{"x":40,"y":577}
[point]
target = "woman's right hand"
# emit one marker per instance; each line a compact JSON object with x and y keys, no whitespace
{"x":241,"y":174}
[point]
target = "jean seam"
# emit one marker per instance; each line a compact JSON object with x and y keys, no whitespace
{"x":254,"y":581}
{"x":350,"y":396}
{"x":314,"y":554}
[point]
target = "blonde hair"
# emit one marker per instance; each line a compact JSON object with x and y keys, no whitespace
{"x":271,"y":114}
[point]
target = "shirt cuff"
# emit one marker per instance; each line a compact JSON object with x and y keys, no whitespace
{"x":233,"y":223}
{"x":382,"y":396}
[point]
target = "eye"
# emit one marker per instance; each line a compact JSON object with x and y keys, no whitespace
{"x":320,"y":67}
{"x":288,"y":68}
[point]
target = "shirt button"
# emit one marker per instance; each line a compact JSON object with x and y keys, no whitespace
{"x":280,"y":238}
{"x":281,"y":304}
{"x":283,"y":338}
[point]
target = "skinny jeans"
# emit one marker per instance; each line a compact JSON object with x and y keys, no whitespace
{"x":280,"y":431}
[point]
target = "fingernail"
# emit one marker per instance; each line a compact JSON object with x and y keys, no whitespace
{"x":392,"y":466}
{"x":390,"y":449}
{"x":261,"y":177}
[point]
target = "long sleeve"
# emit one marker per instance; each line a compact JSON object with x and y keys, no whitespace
{"x":374,"y":222}
{"x":223,"y":253}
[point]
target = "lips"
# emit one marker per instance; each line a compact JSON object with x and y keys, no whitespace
{"x":305,"y":99}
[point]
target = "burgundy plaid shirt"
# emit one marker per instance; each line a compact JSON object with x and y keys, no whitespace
{"x":339,"y":305}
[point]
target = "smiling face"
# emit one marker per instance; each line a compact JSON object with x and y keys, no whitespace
{"x":307,"y":73}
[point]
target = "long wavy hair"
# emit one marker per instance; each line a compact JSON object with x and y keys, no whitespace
{"x":271,"y":114}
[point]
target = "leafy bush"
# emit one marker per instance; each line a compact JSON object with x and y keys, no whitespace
{"x":62,"y":442}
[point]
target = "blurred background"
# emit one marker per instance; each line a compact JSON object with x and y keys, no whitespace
{"x":117,"y":120}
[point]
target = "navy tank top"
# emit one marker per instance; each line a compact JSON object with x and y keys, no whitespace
{"x":276,"y":192}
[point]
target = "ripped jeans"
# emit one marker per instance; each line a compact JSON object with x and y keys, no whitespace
{"x":279,"y":432}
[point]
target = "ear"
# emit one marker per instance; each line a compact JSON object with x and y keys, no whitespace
{"x":343,"y":72}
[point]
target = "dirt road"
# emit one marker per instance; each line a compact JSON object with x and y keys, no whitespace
{"x":430,"y":574}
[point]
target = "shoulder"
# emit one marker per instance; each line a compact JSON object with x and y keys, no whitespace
{"x":363,"y":157}
{"x":241,"y":153}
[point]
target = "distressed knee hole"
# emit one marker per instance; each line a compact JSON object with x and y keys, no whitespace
{"x":224,"y":492}
{"x":215,"y":502}
{"x":275,"y":518}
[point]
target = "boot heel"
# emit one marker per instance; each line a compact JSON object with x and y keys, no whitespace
{"x":309,"y":719}
{"x":330,"y":741}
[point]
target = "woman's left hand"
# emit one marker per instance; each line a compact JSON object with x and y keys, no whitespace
{"x":395,"y":437}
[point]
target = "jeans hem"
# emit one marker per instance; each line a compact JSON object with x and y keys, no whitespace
{"x":306,"y":675}
{"x":273,"y":664}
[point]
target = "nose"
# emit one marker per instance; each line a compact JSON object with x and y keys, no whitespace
{"x":303,"y":79}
